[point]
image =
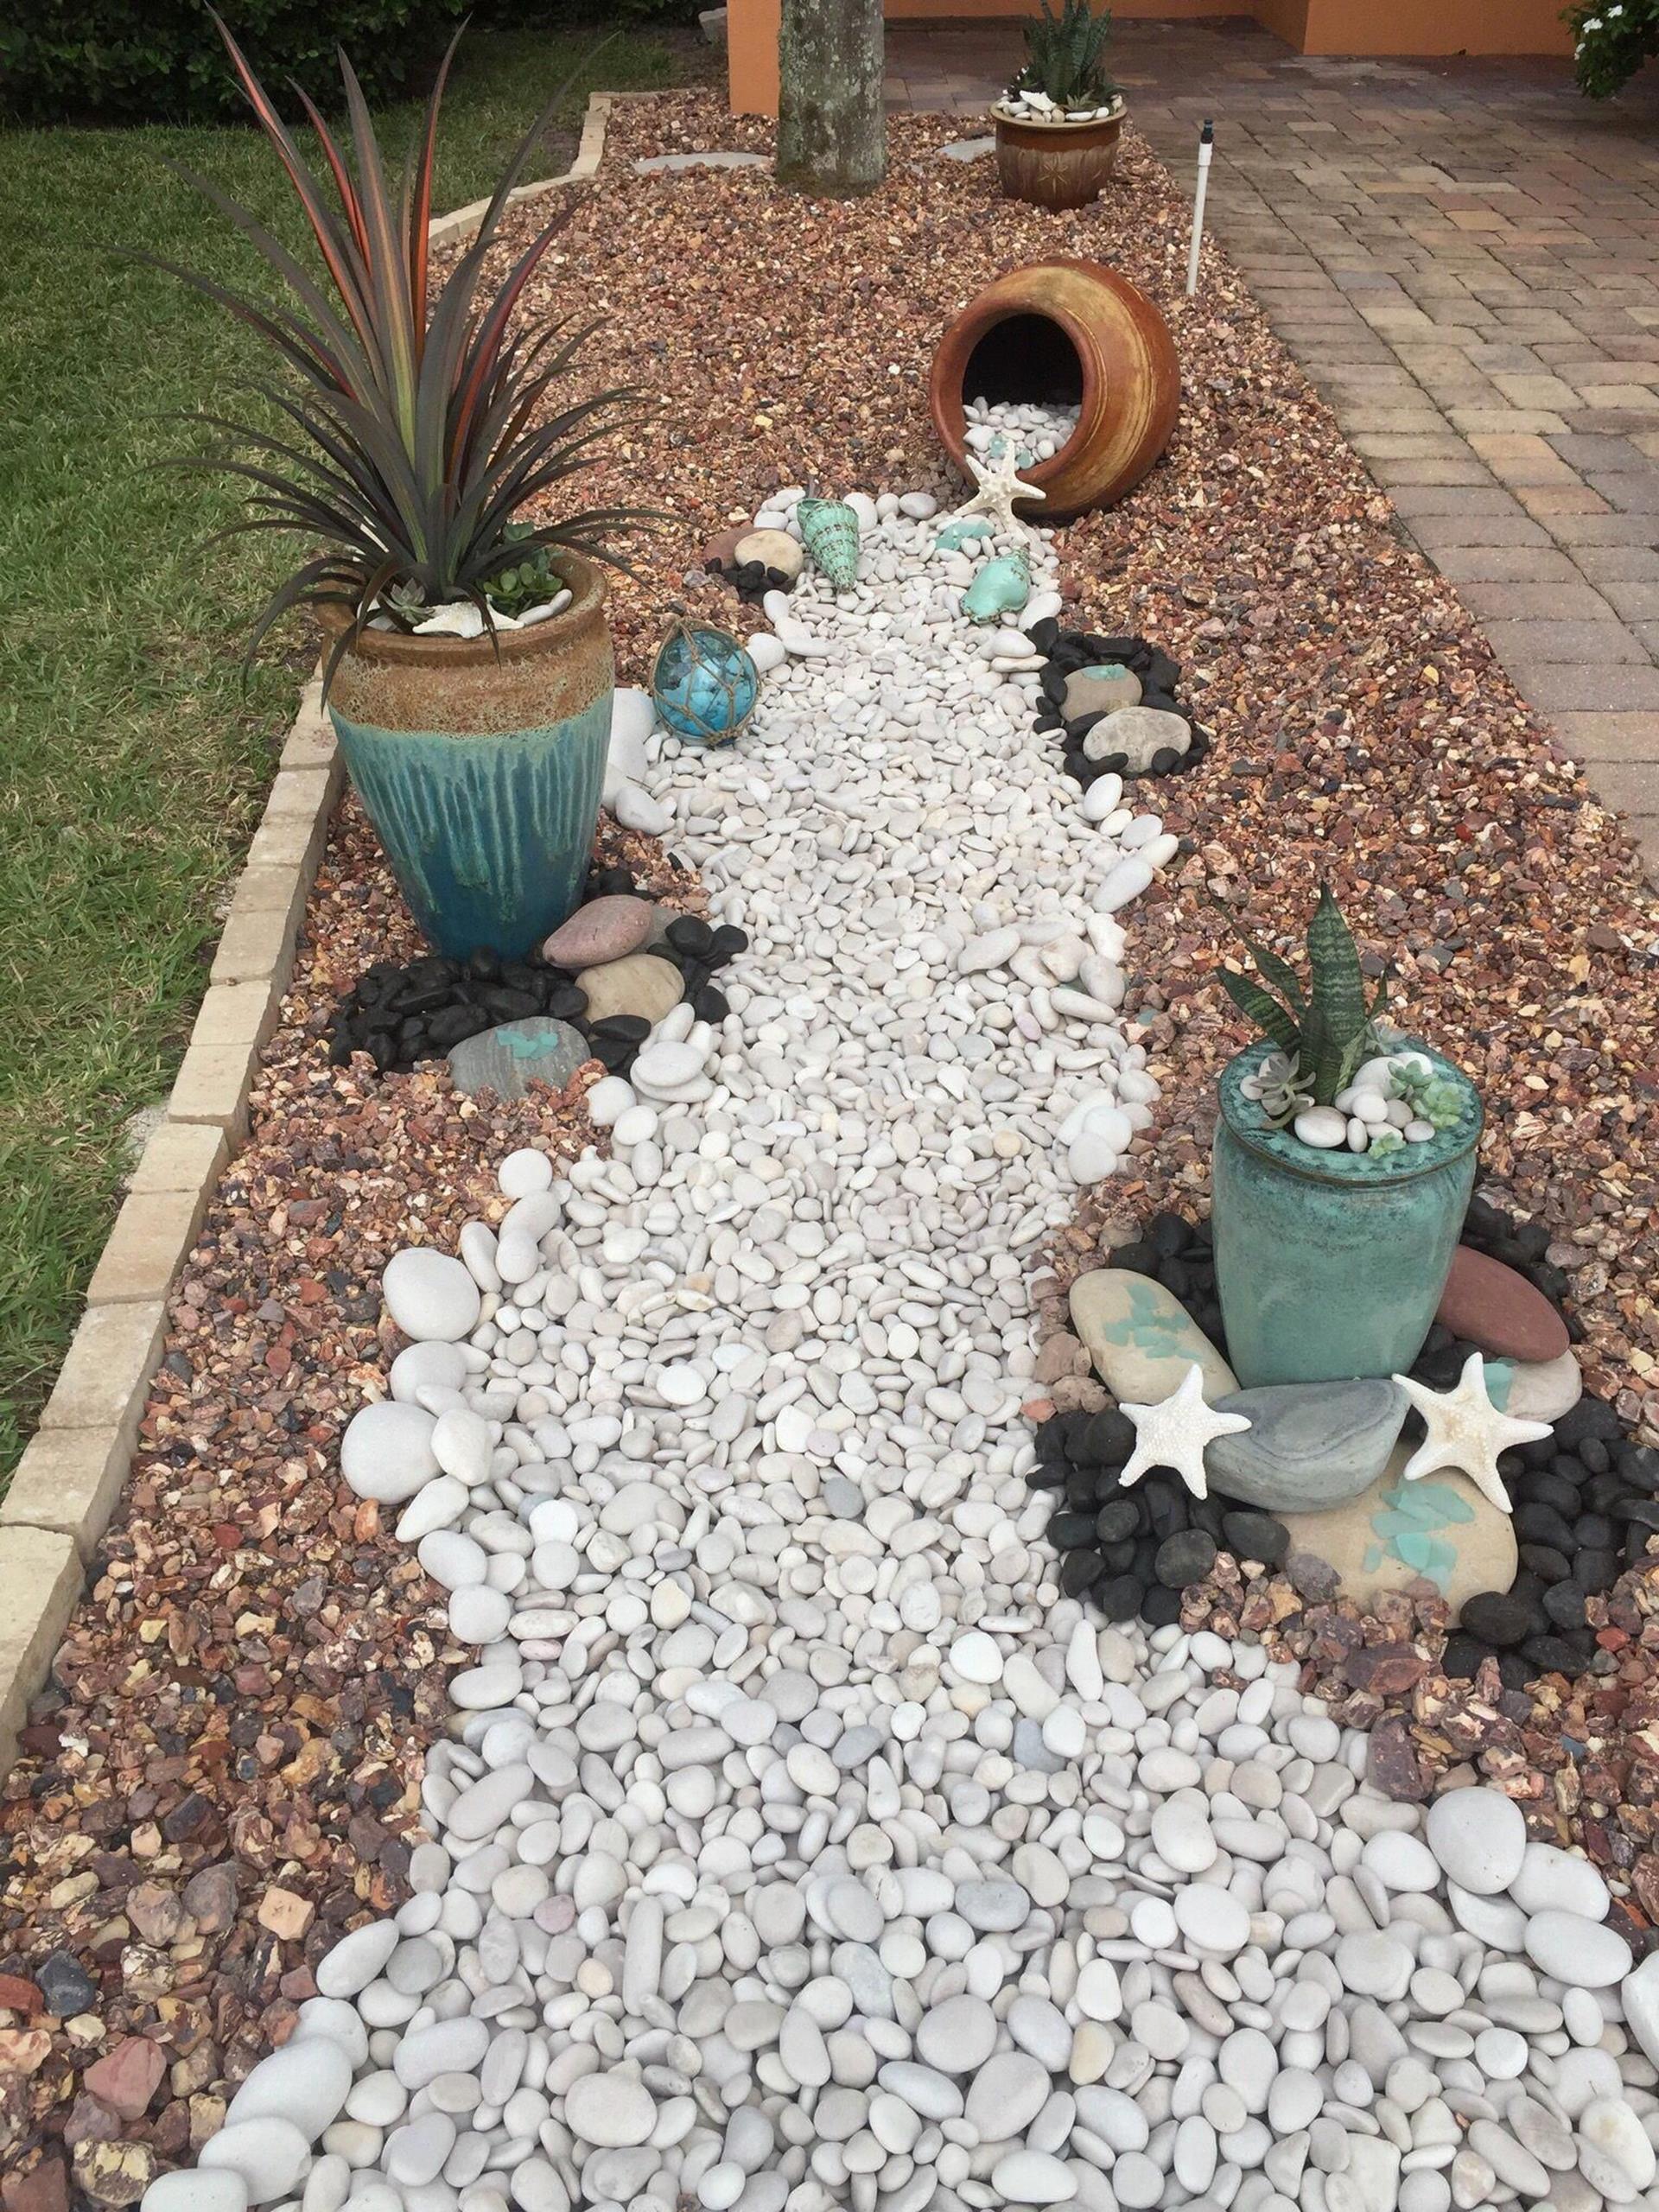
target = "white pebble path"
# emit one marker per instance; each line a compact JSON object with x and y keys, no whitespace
{"x":796,"y":1844}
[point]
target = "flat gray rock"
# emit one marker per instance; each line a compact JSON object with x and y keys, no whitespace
{"x":1138,"y":733}
{"x":504,"y":1060}
{"x":1106,"y":687}
{"x":653,"y":164}
{"x":967,"y":150}
{"x":1309,"y":1445}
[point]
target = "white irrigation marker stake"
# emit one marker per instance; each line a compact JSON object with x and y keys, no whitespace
{"x":1206,"y":147}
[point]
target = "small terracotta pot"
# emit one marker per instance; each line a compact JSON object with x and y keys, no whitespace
{"x":1057,"y":164}
{"x":481,"y":764}
{"x":1079,"y":325}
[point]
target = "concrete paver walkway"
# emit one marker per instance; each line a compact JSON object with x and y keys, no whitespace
{"x":1463,"y":256}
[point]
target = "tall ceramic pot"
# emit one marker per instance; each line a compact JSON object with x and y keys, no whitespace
{"x":1331,"y":1264}
{"x":1072,"y":331}
{"x":479,"y":764}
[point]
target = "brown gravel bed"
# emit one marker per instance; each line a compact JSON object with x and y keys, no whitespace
{"x":227,"y":1770}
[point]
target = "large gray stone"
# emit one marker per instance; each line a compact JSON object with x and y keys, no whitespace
{"x":1535,"y":1389}
{"x":1103,"y":687}
{"x":505,"y":1060}
{"x":1139,"y":733}
{"x":1309,"y":1445}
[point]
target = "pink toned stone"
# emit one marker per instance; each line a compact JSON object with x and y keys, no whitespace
{"x":127,"y":2078}
{"x":605,"y":929}
{"x":1490,"y":1306}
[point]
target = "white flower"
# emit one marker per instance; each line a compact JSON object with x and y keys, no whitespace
{"x":1593,"y":23}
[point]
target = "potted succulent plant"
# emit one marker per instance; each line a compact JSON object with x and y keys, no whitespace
{"x":1059,"y":122}
{"x":1343,"y":1166}
{"x":468,"y":667}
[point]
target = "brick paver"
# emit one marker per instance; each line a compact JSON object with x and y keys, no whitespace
{"x":1463,"y":256}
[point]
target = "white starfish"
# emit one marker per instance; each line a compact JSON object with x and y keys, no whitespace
{"x":1466,"y":1431}
{"x":1173,"y":1433}
{"x":1000,"y":485}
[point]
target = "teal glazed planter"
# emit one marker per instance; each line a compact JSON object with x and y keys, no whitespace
{"x":482,"y":774}
{"x":1329,"y":1265}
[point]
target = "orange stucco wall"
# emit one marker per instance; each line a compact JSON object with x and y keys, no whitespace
{"x":1378,"y":27}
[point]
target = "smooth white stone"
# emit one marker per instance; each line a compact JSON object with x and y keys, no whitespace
{"x":1479,"y":1838}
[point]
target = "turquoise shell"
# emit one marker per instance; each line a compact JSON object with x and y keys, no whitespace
{"x":1002,"y":587}
{"x":829,"y":533}
{"x":489,"y":836}
{"x":704,"y":683}
{"x":956,"y":535}
{"x":1331,"y":1264}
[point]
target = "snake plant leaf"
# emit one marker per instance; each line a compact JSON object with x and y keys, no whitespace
{"x":1260,"y":1007}
{"x":1356,"y":1049}
{"x":1276,"y":971}
{"x":1336,"y":1010}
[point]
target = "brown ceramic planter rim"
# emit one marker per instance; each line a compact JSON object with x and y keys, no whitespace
{"x":402,"y":649}
{"x":950,"y":418}
{"x":1062,"y":126}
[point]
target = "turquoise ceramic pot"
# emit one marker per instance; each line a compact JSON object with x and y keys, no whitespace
{"x":1331,"y":1264}
{"x":482,"y":774}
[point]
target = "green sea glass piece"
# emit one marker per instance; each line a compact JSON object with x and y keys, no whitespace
{"x":1002,"y":587}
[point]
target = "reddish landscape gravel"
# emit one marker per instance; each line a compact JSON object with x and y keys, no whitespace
{"x":226,"y":1769}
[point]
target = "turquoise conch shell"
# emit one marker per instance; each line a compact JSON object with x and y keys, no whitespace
{"x":1002,"y":587}
{"x":829,"y":533}
{"x":956,"y":534}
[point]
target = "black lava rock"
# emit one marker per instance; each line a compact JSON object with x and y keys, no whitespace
{"x":1079,"y":1570}
{"x":1497,"y":1618}
{"x":1120,"y":1598}
{"x":1160,"y":1607}
{"x":1117,"y":1520}
{"x":1187,"y":1556}
{"x":1463,"y":1654}
{"x":1255,"y":1536}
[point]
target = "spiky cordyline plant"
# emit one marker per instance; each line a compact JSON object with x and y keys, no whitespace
{"x":415,"y":437}
{"x":1327,"y":1030}
{"x":1067,"y":55}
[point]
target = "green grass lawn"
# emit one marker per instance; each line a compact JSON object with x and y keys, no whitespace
{"x":136,"y":764}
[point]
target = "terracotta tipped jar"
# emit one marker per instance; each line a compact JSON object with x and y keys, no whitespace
{"x":1073,"y":334}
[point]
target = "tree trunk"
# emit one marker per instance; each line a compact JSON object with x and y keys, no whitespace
{"x":832,"y":135}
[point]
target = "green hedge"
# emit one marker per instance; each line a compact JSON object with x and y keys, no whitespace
{"x":161,"y":61}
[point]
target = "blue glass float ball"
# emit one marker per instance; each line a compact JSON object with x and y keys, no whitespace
{"x":705,"y":685}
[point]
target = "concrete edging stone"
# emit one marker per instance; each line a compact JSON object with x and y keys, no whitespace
{"x":74,"y":1469}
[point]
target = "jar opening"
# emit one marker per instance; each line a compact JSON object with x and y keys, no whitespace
{"x":1026,"y":358}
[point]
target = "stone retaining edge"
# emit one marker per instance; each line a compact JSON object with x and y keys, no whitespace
{"x":74,"y":1469}
{"x":454,"y":228}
